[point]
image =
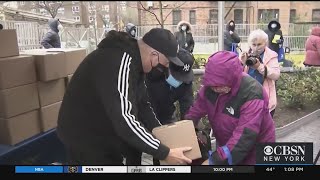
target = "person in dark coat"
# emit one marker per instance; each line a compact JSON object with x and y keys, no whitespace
{"x":51,"y":38}
{"x":184,"y":36}
{"x":230,"y":36}
{"x":275,"y":37}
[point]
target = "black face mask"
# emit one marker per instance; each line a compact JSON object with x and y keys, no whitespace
{"x":158,"y":72}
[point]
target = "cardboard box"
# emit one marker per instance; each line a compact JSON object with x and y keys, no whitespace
{"x":18,"y":100}
{"x":51,"y":91}
{"x":49,"y":116}
{"x":8,"y":43}
{"x":49,"y":65}
{"x":74,"y":56}
{"x":17,"y":71}
{"x":179,"y":134}
{"x":19,"y":128}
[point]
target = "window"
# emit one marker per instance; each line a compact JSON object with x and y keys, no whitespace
{"x":316,"y":15}
{"x":75,"y":9}
{"x":92,"y":8}
{"x":61,"y":10}
{"x":293,"y":14}
{"x":22,"y":3}
{"x":192,"y":17}
{"x":105,"y":8}
{"x":238,"y":16}
{"x":213,"y":16}
{"x":176,"y":17}
{"x":34,"y":10}
{"x":76,"y":18}
{"x":266,"y":15}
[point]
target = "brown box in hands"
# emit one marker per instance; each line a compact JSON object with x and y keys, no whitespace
{"x":179,"y":134}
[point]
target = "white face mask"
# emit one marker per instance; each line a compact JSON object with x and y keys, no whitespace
{"x":184,"y":28}
{"x":273,"y":25}
{"x":60,"y":27}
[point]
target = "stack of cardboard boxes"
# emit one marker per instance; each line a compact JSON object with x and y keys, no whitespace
{"x":32,"y":86}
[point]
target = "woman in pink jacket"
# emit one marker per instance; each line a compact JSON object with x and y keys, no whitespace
{"x":313,"y":48}
{"x":265,"y":69}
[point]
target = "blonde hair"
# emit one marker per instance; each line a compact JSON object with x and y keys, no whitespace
{"x":257,"y":34}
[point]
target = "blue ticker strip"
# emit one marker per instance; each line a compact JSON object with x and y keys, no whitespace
{"x":39,"y":169}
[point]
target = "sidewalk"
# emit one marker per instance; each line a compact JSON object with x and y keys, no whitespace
{"x":309,"y":132}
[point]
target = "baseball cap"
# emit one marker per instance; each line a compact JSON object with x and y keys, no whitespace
{"x":163,"y":41}
{"x":183,"y":73}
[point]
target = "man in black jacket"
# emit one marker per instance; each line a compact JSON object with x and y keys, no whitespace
{"x":105,"y":112}
{"x":164,"y":89}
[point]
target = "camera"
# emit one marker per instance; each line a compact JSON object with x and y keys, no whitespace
{"x":252,"y":59}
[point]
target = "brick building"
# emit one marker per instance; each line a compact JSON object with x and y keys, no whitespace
{"x":243,"y":12}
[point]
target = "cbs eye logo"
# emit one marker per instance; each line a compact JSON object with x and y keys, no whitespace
{"x":72,"y":169}
{"x":268,"y":150}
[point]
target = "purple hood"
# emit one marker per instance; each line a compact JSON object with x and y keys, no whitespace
{"x":223,"y":69}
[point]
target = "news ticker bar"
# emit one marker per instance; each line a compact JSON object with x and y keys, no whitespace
{"x":168,"y":169}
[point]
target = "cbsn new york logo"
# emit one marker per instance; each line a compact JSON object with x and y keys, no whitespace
{"x":284,"y":153}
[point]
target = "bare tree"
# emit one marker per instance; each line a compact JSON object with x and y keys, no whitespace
{"x":50,"y":6}
{"x":159,"y":17}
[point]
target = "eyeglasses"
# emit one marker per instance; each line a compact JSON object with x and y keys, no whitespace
{"x":164,"y":60}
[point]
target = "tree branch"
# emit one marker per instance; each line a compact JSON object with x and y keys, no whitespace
{"x":145,"y":9}
{"x":52,"y":10}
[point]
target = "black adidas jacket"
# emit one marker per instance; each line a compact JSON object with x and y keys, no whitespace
{"x":105,"y":107}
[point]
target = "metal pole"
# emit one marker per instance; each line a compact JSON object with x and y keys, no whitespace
{"x":220,"y":25}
